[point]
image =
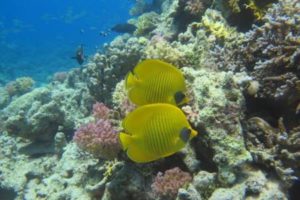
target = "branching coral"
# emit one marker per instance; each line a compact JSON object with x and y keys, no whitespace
{"x":216,"y":25}
{"x":276,"y":148}
{"x":270,"y":55}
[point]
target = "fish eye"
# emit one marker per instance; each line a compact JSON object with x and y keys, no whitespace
{"x":185,"y":134}
{"x":179,"y":96}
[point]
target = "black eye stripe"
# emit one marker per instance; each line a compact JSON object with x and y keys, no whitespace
{"x":179,"y":96}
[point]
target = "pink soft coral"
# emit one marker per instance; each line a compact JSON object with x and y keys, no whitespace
{"x":167,"y":185}
{"x":101,"y":111}
{"x":99,"y":138}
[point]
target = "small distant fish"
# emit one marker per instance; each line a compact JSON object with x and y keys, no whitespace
{"x":155,"y":131}
{"x":124,"y":28}
{"x":155,"y":81}
{"x":79,"y":55}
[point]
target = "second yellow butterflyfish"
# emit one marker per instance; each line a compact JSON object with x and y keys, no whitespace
{"x":155,"y":81}
{"x":155,"y":131}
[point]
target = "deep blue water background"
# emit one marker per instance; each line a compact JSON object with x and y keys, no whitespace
{"x":37,"y":38}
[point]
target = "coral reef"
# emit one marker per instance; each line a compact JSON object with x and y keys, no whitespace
{"x":275,"y":147}
{"x":38,"y":114}
{"x":269,"y":55}
{"x":219,"y":106}
{"x":244,"y":93}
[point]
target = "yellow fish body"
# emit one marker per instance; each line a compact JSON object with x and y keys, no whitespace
{"x":154,"y":81}
{"x":155,"y":131}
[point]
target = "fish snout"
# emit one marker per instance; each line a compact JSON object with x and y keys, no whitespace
{"x":194,"y":133}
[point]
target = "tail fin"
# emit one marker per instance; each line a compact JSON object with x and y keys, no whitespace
{"x":126,"y":140}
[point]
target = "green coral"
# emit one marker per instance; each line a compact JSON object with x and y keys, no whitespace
{"x":161,"y":49}
{"x":216,"y":25}
{"x":234,"y":6}
{"x":258,"y":8}
{"x":146,"y":23}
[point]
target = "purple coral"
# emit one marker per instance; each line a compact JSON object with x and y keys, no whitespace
{"x":98,"y":138}
{"x":60,"y":76}
{"x":167,"y":185}
{"x":100,"y":111}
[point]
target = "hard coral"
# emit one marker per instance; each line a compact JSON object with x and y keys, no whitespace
{"x":19,"y":86}
{"x":216,"y":25}
{"x":121,"y":101}
{"x":60,"y":77}
{"x":167,"y":185}
{"x":106,"y":69}
{"x":146,"y":23}
{"x":217,"y":105}
{"x":195,"y":7}
{"x":99,"y":139}
{"x":163,"y":50}
{"x":275,"y":148}
{"x":271,"y":52}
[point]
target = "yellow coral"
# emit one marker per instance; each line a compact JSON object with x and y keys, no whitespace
{"x":258,"y":11}
{"x":216,"y":25}
{"x":234,"y":6}
{"x":110,"y":166}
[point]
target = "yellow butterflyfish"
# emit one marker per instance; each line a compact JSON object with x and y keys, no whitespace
{"x":155,"y":131}
{"x":155,"y":81}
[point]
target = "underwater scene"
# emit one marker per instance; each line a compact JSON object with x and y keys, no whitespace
{"x":150,"y":100}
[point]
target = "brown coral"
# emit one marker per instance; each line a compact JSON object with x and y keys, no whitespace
{"x":275,"y":148}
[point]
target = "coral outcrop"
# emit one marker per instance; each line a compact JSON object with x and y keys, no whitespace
{"x":37,"y":115}
{"x":107,"y":69}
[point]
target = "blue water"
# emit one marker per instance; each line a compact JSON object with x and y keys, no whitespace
{"x":37,"y":38}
